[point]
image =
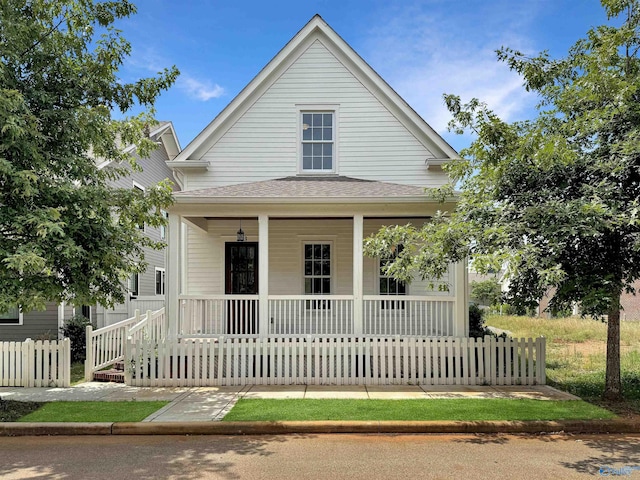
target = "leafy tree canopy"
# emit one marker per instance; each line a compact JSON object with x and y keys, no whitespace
{"x":67,"y":234}
{"x":556,"y":198}
{"x":487,"y":292}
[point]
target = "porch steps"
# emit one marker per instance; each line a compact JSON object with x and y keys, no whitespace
{"x":115,"y":375}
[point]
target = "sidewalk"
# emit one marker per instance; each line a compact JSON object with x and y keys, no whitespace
{"x":206,"y":404}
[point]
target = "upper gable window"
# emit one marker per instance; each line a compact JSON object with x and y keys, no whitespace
{"x":318,"y":144}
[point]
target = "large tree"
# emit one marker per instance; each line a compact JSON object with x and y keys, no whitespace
{"x":556,"y":198}
{"x":66,"y":234}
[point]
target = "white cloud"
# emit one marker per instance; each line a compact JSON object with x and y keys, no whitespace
{"x":426,"y":54}
{"x":200,"y":90}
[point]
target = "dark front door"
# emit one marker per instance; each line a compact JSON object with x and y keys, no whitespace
{"x":241,"y":278}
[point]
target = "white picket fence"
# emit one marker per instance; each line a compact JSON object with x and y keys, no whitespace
{"x":35,"y":364}
{"x":335,"y":361}
{"x":105,"y":346}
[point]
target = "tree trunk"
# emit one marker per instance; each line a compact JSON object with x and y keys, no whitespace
{"x":613,"y":384}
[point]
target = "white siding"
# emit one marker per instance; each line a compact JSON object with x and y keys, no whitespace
{"x":205,"y":262}
{"x":263,"y":143}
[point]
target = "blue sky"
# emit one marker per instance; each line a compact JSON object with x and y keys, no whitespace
{"x":421,"y":48}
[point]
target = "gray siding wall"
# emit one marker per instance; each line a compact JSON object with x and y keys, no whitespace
{"x":154,"y":170}
{"x":35,"y":326}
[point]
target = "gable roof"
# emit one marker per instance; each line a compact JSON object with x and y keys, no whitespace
{"x":315,"y":29}
{"x":164,"y":134}
{"x":307,"y":188}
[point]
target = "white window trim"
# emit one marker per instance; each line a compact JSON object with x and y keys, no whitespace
{"x":131,"y":294}
{"x":137,"y":185}
{"x":163,"y":228}
{"x":164,"y":283}
{"x":318,"y":108}
{"x":20,"y":320}
{"x":332,"y":265}
{"x":141,"y":187}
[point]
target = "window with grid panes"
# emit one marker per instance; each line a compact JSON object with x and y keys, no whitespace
{"x":391,"y":286}
{"x":317,"y":142}
{"x":317,"y":273}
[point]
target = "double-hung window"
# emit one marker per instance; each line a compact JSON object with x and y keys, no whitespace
{"x":391,"y":286}
{"x":317,"y":273}
{"x":134,"y":284}
{"x":318,"y":142}
{"x":163,"y":228}
{"x":160,"y":275}
{"x":139,"y":188}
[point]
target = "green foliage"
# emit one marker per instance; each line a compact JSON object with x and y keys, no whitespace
{"x":476,"y":322}
{"x":66,"y":234}
{"x":487,"y":292}
{"x":556,"y":198}
{"x":75,"y":330}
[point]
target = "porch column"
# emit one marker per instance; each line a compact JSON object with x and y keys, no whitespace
{"x":357,"y":274}
{"x":263,"y":275}
{"x":173,"y":275}
{"x":461,"y":324}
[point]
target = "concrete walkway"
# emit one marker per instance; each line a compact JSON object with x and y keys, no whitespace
{"x":201,"y":404}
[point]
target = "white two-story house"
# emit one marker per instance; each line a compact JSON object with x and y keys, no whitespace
{"x":278,"y":192}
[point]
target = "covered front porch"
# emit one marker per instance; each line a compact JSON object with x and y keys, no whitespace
{"x":297,"y":268}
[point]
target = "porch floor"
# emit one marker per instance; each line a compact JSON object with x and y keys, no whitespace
{"x":201,"y":404}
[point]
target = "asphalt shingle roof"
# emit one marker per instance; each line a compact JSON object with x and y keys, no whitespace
{"x":309,"y":186}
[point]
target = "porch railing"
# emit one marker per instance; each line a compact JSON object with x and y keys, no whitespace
{"x":310,"y":315}
{"x":105,"y":346}
{"x":207,"y":315}
{"x":385,"y":315}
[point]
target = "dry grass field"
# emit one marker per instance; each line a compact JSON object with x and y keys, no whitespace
{"x":576,"y":352}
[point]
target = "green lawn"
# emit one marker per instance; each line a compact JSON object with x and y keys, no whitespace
{"x":471,"y":409}
{"x":576,"y":353}
{"x":93,"y":412}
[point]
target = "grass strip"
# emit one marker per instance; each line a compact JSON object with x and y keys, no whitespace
{"x":93,"y":412}
{"x":428,"y":409}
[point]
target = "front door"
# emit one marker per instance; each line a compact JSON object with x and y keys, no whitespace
{"x":241,"y":278}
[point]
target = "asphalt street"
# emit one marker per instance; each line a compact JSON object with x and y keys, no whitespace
{"x":321,"y":456}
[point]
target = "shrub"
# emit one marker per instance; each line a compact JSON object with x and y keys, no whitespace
{"x":75,"y":330}
{"x":476,"y":322}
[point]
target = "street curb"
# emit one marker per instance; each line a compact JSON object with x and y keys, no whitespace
{"x":19,"y":429}
{"x":320,"y":427}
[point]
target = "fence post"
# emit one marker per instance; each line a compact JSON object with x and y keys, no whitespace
{"x":127,"y":357}
{"x":148,"y":327}
{"x":88,"y":359}
{"x":30,"y":380}
{"x":24,"y":374}
{"x":66,"y":362}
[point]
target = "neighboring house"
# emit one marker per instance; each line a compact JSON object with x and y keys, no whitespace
{"x":279,"y":191}
{"x":147,"y":289}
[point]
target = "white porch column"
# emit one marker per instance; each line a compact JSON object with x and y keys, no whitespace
{"x":461,"y":325}
{"x":173,"y":274}
{"x":357,"y":274}
{"x":263,"y":275}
